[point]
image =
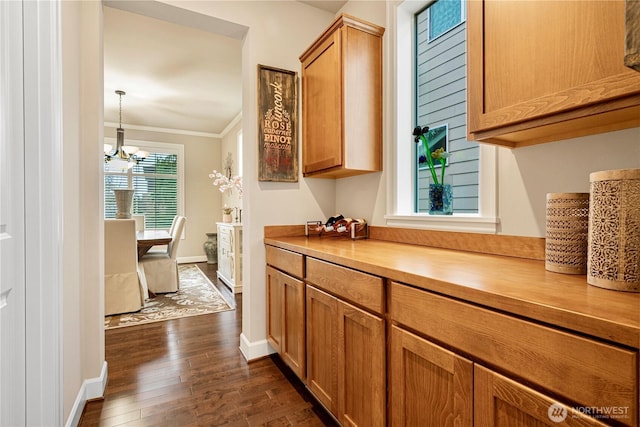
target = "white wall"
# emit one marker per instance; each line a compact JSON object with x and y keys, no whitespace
{"x":230,"y":145}
{"x":278,"y":33}
{"x":526,"y":175}
{"x":83,"y":245}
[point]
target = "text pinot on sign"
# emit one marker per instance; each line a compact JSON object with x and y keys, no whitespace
{"x":277,"y":124}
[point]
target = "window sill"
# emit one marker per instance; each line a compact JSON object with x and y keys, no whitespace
{"x":458,"y":222}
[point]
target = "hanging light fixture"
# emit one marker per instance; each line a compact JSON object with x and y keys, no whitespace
{"x":124,"y":156}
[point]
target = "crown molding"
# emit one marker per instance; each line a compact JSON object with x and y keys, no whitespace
{"x":164,"y":130}
{"x":224,"y":132}
{"x":231,"y":124}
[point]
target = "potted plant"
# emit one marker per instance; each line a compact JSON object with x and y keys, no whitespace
{"x":440,"y":194}
{"x":226,"y":213}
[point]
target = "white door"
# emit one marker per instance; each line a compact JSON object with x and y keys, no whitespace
{"x":12,"y":231}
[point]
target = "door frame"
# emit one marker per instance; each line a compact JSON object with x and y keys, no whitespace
{"x":43,"y":211}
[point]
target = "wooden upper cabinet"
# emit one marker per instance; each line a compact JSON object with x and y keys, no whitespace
{"x":342,"y":100}
{"x":546,"y":71}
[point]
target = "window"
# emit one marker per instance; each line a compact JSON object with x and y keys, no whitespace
{"x":444,"y":15}
{"x":441,"y":96}
{"x":437,"y":138}
{"x":157,"y":181}
{"x":429,"y":89}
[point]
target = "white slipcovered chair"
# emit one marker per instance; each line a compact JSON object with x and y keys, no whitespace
{"x":139,"y":222}
{"x":164,"y":248}
{"x":122,"y":290}
{"x":160,"y":269}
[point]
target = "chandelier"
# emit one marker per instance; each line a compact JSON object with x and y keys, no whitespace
{"x":124,"y":156}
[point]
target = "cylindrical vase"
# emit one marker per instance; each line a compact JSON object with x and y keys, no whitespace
{"x":567,"y":231}
{"x":614,"y":230}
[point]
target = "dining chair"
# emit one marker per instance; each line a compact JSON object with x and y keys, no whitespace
{"x":160,"y":269}
{"x":123,"y":292}
{"x":139,"y":222}
{"x":164,"y":248}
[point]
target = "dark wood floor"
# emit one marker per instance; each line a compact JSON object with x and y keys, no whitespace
{"x":190,"y":372}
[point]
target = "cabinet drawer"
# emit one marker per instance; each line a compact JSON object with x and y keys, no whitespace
{"x":583,"y":370}
{"x":224,"y":235}
{"x":287,"y":261}
{"x":355,"y":286}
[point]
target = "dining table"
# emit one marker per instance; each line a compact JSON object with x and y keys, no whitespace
{"x":150,"y":238}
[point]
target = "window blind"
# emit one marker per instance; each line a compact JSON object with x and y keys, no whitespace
{"x":155,"y":184}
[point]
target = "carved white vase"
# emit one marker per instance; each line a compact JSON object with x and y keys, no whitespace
{"x":124,"y":202}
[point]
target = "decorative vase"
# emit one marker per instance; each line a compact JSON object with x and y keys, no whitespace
{"x":226,"y":217}
{"x":613,"y":255}
{"x":211,"y":248}
{"x":567,"y":231}
{"x":124,"y":202}
{"x":440,"y":199}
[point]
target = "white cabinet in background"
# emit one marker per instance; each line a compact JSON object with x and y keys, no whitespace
{"x":230,"y":255}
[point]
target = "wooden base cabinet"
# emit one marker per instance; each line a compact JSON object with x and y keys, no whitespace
{"x":346,"y":359}
{"x":286,"y":307}
{"x":434,"y":387}
{"x":322,"y":347}
{"x":285,"y":314}
{"x":430,"y":386}
{"x":571,"y":367}
{"x":502,"y":402}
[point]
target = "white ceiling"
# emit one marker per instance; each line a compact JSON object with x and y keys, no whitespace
{"x":332,"y":6}
{"x":175,"y":76}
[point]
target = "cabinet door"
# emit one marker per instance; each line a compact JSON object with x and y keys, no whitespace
{"x":499,"y":401}
{"x":292,"y":350}
{"x":322,"y":358}
{"x":430,"y":386}
{"x":224,"y":252}
{"x":361,"y":368}
{"x":274,"y":309}
{"x":570,"y":78}
{"x":322,"y":107}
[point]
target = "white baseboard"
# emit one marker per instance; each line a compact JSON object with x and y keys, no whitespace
{"x":190,"y":259}
{"x":91,"y":389}
{"x":254,"y":350}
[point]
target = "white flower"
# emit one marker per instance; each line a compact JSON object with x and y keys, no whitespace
{"x":227,"y":183}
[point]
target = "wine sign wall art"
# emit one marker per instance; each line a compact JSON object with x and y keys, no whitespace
{"x":277,"y":124}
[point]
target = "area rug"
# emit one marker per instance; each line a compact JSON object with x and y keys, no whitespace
{"x":197,"y":295}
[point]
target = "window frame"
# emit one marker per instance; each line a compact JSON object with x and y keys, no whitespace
{"x":151,"y":146}
{"x":400,"y":203}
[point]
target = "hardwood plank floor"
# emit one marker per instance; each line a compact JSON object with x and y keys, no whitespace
{"x":190,"y":372}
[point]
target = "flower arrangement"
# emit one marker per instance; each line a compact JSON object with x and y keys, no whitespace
{"x":420,"y":134}
{"x":227,"y":182}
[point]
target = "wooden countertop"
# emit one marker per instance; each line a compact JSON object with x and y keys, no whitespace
{"x":517,"y":286}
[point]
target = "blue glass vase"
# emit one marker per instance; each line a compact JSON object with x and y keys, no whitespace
{"x":440,"y":199}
